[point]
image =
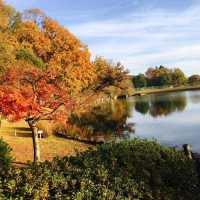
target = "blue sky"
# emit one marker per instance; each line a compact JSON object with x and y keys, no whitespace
{"x":138,"y":33}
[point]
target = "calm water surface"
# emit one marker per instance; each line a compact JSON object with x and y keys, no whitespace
{"x":172,"y":118}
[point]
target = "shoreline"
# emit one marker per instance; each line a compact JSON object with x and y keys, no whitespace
{"x":147,"y":91}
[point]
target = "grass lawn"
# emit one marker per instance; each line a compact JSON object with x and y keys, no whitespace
{"x":50,"y":147}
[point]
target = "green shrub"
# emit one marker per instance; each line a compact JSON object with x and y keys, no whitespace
{"x":5,"y":156}
{"x":30,"y":57}
{"x":138,"y":170}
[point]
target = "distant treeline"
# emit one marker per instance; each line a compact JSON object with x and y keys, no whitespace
{"x":163,"y":76}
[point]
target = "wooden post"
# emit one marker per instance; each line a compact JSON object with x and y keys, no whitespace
{"x":188,"y":150}
{"x":40,"y":133}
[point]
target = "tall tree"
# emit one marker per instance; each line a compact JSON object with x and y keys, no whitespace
{"x":178,"y":77}
{"x":140,"y":81}
{"x":109,"y":74}
{"x":31,"y":94}
{"x":161,"y":76}
{"x":59,"y":49}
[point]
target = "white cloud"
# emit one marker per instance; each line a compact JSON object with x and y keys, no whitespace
{"x":146,"y":39}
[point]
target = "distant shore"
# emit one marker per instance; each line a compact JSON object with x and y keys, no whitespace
{"x":147,"y":91}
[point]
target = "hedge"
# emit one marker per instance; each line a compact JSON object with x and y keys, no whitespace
{"x":137,"y":169}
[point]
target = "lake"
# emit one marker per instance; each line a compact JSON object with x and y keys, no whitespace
{"x":170,"y":118}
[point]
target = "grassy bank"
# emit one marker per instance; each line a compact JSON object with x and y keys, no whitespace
{"x":145,"y":91}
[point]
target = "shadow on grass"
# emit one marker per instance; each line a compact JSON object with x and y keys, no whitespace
{"x":22,"y":129}
{"x":20,"y":164}
{"x":26,"y":134}
{"x":16,"y":131}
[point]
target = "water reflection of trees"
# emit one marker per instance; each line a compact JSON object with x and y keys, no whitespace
{"x":104,"y":122}
{"x":161,"y":105}
{"x":142,"y":107}
{"x":195,"y":97}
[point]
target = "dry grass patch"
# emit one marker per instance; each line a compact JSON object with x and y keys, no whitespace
{"x":50,"y":147}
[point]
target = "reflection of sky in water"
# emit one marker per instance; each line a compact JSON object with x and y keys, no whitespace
{"x":177,"y":128}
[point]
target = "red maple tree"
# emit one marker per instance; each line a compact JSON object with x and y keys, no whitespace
{"x":32,"y":94}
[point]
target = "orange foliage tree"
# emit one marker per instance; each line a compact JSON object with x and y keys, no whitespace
{"x":60,"y":50}
{"x":31,"y":94}
{"x":43,"y":39}
{"x":109,"y":74}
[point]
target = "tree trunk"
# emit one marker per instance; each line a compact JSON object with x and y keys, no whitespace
{"x":36,"y":146}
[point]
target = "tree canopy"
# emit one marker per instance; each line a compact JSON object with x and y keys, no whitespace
{"x":31,"y":94}
{"x":42,"y":42}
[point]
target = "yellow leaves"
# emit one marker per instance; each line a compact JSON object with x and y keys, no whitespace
{"x":27,"y":31}
{"x":61,"y":52}
{"x":30,"y":36}
{"x":5,"y":13}
{"x":69,"y":57}
{"x":8,"y":45}
{"x":3,"y":22}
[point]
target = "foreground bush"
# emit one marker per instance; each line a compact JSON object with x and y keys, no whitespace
{"x":129,"y":170}
{"x":5,"y":156}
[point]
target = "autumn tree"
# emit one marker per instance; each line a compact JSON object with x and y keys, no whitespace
{"x":8,"y":42}
{"x":109,"y":74}
{"x":178,"y":77}
{"x":31,"y":94}
{"x":44,"y":42}
{"x":58,"y":48}
{"x":159,"y":76}
{"x":7,"y":16}
{"x":8,"y":45}
{"x":3,"y":16}
{"x":70,"y":56}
